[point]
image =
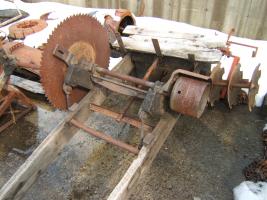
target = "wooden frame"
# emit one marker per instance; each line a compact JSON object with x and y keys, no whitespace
{"x":50,"y":148}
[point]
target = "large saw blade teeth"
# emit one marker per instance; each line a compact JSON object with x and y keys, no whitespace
{"x":83,"y":36}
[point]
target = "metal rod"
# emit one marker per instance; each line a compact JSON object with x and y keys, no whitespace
{"x":120,"y":42}
{"x":245,"y":45}
{"x":132,"y":79}
{"x":151,"y":69}
{"x":121,"y":88}
{"x":105,"y":137}
{"x":238,"y":85}
{"x":157,"y":47}
{"x":116,"y":116}
{"x":146,"y":77}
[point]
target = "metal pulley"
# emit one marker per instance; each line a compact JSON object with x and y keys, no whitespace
{"x":189,"y":96}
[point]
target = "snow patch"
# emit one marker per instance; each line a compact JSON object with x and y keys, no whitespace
{"x":248,"y":190}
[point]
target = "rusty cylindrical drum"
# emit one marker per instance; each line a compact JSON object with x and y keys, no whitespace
{"x":189,"y":96}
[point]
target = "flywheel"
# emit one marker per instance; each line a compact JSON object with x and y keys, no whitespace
{"x":84,"y":37}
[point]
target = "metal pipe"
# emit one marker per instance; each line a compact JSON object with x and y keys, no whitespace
{"x":151,"y":69}
{"x":238,"y":85}
{"x":146,"y":77}
{"x":132,"y":79}
{"x":117,"y":116}
{"x":105,"y":137}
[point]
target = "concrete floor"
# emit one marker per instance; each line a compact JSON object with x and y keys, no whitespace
{"x":201,"y":158}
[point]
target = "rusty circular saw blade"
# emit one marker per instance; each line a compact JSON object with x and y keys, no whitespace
{"x":73,"y":31}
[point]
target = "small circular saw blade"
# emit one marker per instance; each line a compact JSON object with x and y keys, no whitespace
{"x":83,"y":36}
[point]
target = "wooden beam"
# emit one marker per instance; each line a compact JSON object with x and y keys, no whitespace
{"x":210,"y":41}
{"x":50,"y":148}
{"x":155,"y":32}
{"x":145,"y":157}
{"x":26,"y":84}
{"x":179,"y":48}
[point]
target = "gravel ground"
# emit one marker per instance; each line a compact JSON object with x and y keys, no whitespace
{"x":201,"y":158}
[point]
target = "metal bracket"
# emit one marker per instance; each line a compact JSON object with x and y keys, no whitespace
{"x":157,"y":48}
{"x":153,"y":103}
{"x":120,"y":42}
{"x":78,"y":73}
{"x":181,"y":72}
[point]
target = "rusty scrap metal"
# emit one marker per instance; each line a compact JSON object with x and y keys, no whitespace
{"x":26,"y":57}
{"x":69,"y":34}
{"x":122,"y":18}
{"x":105,"y":137}
{"x":21,"y":29}
{"x":8,"y":92}
{"x":11,"y":94}
{"x":117,"y":23}
{"x":229,"y":42}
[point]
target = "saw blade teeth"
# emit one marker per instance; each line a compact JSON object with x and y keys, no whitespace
{"x":71,"y":31}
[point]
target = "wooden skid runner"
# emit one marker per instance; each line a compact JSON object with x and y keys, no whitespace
{"x":144,"y":159}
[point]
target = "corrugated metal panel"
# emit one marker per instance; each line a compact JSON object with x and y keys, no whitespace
{"x":246,"y":16}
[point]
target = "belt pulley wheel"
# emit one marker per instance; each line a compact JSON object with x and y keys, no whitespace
{"x":189,"y":96}
{"x":84,"y":37}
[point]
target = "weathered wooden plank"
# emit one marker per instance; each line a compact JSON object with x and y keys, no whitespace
{"x":195,"y":38}
{"x":180,"y":48}
{"x":26,"y":84}
{"x":50,"y":148}
{"x":145,"y":157}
